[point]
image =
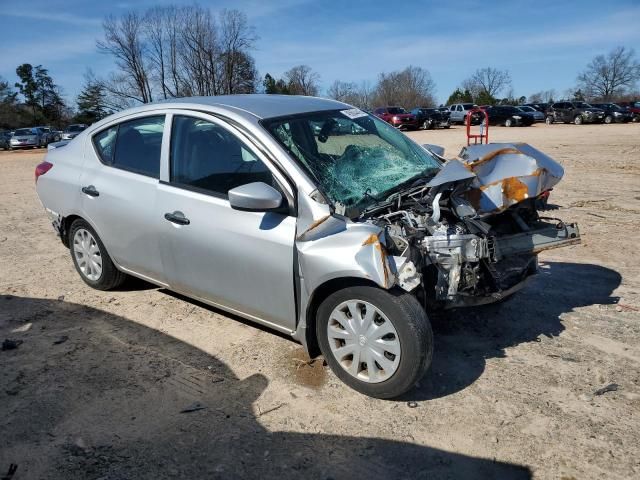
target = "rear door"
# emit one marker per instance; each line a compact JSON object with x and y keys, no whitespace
{"x":566,"y":111}
{"x":118,"y":183}
{"x":239,"y":260}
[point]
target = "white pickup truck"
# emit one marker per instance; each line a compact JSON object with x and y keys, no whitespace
{"x":459,"y":112}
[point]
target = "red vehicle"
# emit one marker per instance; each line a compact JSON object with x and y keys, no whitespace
{"x":398,"y":117}
{"x":634,"y":108}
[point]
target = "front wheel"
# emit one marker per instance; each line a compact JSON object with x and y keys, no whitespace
{"x":578,"y":120}
{"x":548,"y":120}
{"x":376,"y":341}
{"x":91,"y":259}
{"x":608,"y":119}
{"x":508,"y":122}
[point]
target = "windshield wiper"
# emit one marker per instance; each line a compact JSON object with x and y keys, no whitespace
{"x":410,"y":182}
{"x":383,"y":197}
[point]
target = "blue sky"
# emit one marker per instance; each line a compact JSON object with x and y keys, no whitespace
{"x":543,"y":43}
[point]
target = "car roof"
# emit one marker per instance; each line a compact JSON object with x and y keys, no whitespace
{"x":259,"y":105}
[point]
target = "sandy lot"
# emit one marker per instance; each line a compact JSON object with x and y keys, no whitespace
{"x":97,"y":387}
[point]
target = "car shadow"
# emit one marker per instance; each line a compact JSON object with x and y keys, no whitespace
{"x":89,"y":395}
{"x":465,"y":338}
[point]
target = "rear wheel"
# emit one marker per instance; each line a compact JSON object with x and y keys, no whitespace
{"x":508,"y":122}
{"x":376,"y":341}
{"x":91,"y":259}
{"x":548,"y":120}
{"x":608,"y":119}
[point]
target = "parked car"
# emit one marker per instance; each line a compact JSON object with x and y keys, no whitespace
{"x":614,"y":113}
{"x":333,"y":239}
{"x":576,"y":112}
{"x":429,"y":118}
{"x":49,"y":134}
{"x":459,"y":113}
{"x":4,"y":140}
{"x":72,"y":131}
{"x":45,"y":134}
{"x":28,"y":138}
{"x":538,"y":116}
{"x":54,"y":134}
{"x":509,"y":116}
{"x":541,"y":107}
{"x":398,"y":117}
{"x":633,"y":108}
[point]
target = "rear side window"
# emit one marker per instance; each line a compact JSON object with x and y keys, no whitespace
{"x":138,"y":146}
{"x":133,"y":146}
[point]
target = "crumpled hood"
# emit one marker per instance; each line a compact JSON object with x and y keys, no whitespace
{"x":500,"y":174}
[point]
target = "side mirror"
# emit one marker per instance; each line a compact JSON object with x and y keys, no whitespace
{"x":255,"y":197}
{"x":437,"y":149}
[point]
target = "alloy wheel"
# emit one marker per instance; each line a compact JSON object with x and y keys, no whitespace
{"x":364,"y":341}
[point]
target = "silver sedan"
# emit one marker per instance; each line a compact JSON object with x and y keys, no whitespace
{"x":306,"y":215}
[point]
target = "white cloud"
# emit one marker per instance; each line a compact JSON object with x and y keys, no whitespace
{"x":69,"y":18}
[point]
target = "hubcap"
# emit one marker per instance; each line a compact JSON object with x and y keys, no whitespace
{"x":87,"y":253}
{"x":363,"y":341}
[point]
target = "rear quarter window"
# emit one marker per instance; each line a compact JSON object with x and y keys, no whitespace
{"x":105,"y":144}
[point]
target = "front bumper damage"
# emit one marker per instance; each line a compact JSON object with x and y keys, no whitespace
{"x":469,"y":236}
{"x":506,"y":262}
{"x":480,"y":240}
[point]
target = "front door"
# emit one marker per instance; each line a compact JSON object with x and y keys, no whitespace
{"x":242,"y":261}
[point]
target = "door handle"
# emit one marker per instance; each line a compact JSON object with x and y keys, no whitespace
{"x":177,"y":217}
{"x":91,"y":191}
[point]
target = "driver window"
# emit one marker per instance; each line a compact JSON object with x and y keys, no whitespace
{"x":209,"y":158}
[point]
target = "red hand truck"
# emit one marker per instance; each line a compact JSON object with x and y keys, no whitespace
{"x":483,"y":136}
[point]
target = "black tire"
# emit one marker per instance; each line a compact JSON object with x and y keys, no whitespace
{"x":577,"y":120}
{"x":447,"y":126}
{"x":414,"y":334}
{"x":110,"y":277}
{"x":608,"y":119}
{"x":548,"y":120}
{"x":508,"y":122}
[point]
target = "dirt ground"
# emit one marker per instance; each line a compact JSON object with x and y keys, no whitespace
{"x":98,"y":387}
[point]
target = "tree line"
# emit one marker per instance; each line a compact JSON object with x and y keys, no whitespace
{"x":180,"y":51}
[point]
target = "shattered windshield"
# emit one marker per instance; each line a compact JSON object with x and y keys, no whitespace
{"x":355,"y":158}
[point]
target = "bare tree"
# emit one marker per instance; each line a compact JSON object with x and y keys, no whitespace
{"x":489,"y":81}
{"x":409,"y":88}
{"x":351,"y":93}
{"x":178,"y":51}
{"x":544,"y":96}
{"x":610,"y":75}
{"x":342,"y":91}
{"x":302,"y":80}
{"x":236,"y":38}
{"x":124,"y":40}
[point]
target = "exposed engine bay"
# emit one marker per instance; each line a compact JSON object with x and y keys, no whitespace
{"x":471,"y":234}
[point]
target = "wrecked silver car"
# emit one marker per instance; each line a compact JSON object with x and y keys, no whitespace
{"x":306,"y":215}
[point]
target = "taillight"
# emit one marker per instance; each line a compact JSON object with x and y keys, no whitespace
{"x":43,"y":168}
